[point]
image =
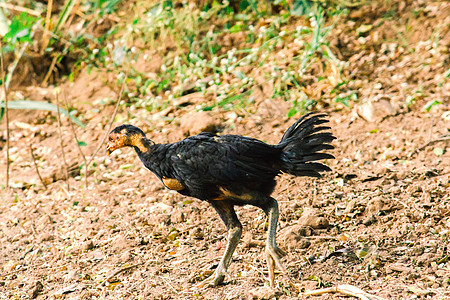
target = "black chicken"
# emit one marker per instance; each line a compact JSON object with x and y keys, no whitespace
{"x":231,"y":170}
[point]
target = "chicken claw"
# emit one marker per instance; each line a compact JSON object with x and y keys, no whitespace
{"x":273,"y":259}
{"x":215,"y":279}
{"x":273,"y":253}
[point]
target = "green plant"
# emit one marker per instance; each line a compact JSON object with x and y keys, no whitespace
{"x":302,"y":105}
{"x":200,"y":61}
{"x":197,"y":60}
{"x":60,"y":43}
{"x":38,"y":105}
{"x":20,"y":31}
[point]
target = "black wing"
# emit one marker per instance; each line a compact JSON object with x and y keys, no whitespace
{"x":210,"y":160}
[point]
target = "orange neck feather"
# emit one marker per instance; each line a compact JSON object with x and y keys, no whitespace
{"x":136,"y":140}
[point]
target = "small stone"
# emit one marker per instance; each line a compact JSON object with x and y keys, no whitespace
{"x":71,"y":276}
{"x":292,"y":237}
{"x":312,"y":219}
{"x":261,"y":293}
{"x":126,"y":256}
{"x":304,"y":244}
{"x":45,"y":237}
{"x":426,"y":259}
{"x":375,"y":205}
{"x":369,"y":220}
{"x":36,"y":290}
{"x":120,"y":243}
{"x":398,"y":267}
{"x":197,"y":122}
{"x":375,"y":110}
{"x":177,"y":217}
{"x":88,"y":245}
{"x":196,"y":233}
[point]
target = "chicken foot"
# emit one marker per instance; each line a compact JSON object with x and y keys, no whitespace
{"x":228,"y":215}
{"x":273,"y":253}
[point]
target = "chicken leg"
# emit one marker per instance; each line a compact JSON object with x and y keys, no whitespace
{"x":228,"y":215}
{"x":272,"y":251}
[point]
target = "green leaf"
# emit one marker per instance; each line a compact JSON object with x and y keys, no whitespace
{"x":361,"y":253}
{"x":364,"y":28}
{"x":314,"y":278}
{"x":236,"y":28}
{"x":292,"y":112}
{"x":81,"y":143}
{"x":438,"y":151}
{"x":20,"y":28}
{"x":126,"y":166}
{"x":229,"y":99}
{"x":443,"y":260}
{"x":173,"y":235}
{"x":239,"y":74}
{"x":300,"y":7}
{"x":40,"y":105}
{"x":64,"y":14}
{"x":187,"y":201}
{"x":427,"y":107}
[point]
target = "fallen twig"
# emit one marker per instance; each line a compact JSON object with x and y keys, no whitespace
{"x":65,"y":191}
{"x":78,"y":143}
{"x":5,"y":85}
{"x":441,"y":138}
{"x":258,"y":270}
{"x":36,"y":167}
{"x":168,"y":283}
{"x":320,"y":237}
{"x":45,"y":38}
{"x":50,"y":70}
{"x":345,"y":289}
{"x":20,"y":9}
{"x":58,"y":114}
{"x":111,"y":121}
{"x":13,"y":66}
{"x":76,"y":12}
{"x":5,"y":95}
{"x":118,"y":272}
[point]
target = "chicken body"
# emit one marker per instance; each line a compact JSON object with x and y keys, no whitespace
{"x":232,"y":170}
{"x":210,"y":167}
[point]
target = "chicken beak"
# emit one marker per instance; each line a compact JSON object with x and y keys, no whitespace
{"x":109,"y":149}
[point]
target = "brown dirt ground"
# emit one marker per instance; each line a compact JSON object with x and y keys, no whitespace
{"x":380,"y":221}
{"x":377,"y":200}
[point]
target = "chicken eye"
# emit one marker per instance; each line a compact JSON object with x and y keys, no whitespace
{"x":110,"y":138}
{"x":117,"y":138}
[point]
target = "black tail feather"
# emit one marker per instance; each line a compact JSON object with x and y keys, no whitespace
{"x":319,"y":138}
{"x":303,"y":126}
{"x":321,"y":147}
{"x":317,"y":156}
{"x":301,"y":144}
